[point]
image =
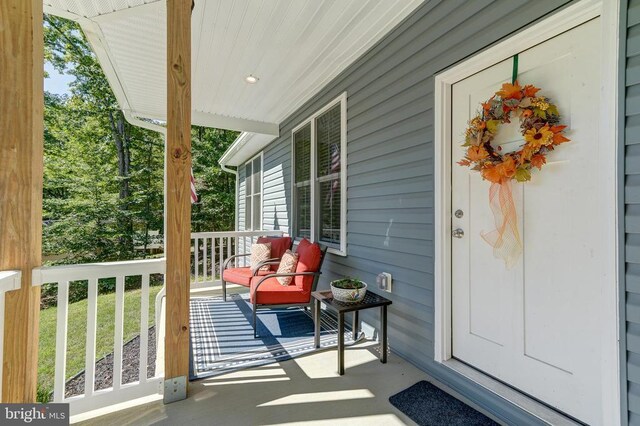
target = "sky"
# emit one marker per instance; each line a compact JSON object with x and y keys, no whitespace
{"x":56,"y":83}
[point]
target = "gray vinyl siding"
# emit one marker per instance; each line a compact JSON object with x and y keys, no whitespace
{"x":630,"y":63}
{"x":390,"y":151}
{"x":241,"y":194}
{"x":244,"y":243}
{"x":277,"y":187}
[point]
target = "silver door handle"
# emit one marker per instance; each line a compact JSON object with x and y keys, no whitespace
{"x":457,"y":233}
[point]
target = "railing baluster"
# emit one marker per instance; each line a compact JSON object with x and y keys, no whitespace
{"x":213,"y":259}
{"x":222,"y":243}
{"x":214,"y":256}
{"x":237,"y":249}
{"x":229,"y":253}
{"x":144,"y":328}
{"x":118,"y":334}
{"x":61,"y":341}
{"x":195,"y":252}
{"x":90,"y":354}
{"x":247,"y":249}
{"x":220,"y":253}
{"x":204,"y":260}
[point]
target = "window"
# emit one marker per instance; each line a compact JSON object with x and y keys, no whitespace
{"x":319,"y":174}
{"x":302,"y":181}
{"x":253,"y":194}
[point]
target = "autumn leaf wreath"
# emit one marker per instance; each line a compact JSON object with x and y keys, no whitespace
{"x":542,"y":132}
{"x":541,"y":129}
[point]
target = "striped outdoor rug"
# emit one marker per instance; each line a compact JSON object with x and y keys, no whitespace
{"x":222,"y":337}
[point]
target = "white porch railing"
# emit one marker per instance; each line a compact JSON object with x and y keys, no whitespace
{"x":210,"y":249}
{"x":9,"y":280}
{"x":208,"y":252}
{"x":91,"y":398}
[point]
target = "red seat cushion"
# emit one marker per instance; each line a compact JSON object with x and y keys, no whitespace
{"x":240,"y":276}
{"x":309,"y":258}
{"x":278,"y":246}
{"x":271,"y":292}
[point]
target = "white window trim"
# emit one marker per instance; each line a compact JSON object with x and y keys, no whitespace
{"x":342,"y":101}
{"x":261,"y":155}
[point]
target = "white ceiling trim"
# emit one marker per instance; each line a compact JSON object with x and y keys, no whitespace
{"x":218,"y":121}
{"x":244,"y":147}
{"x":95,"y":8}
{"x":225,"y":122}
{"x":130,"y":11}
{"x":95,"y":37}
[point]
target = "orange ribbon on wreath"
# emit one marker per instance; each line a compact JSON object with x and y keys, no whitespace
{"x":505,"y":239}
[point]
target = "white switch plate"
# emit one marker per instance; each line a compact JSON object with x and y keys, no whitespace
{"x":385,"y":281}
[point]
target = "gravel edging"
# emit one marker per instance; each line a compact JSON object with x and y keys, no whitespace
{"x":130,"y":366}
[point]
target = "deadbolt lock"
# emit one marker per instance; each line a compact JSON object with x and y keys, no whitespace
{"x":459,"y":213}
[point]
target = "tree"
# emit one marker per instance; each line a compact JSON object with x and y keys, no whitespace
{"x":107,"y":174}
{"x":215,"y":210}
{"x":103,"y":183}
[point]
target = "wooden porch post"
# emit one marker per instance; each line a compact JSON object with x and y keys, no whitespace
{"x":21,"y":139}
{"x":178,"y":199}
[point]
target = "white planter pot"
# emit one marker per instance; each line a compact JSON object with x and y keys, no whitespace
{"x":349,"y":295}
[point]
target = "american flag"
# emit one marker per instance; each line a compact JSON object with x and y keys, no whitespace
{"x":335,"y":165}
{"x":334,"y":168}
{"x":335,"y":158}
{"x":194,"y":195}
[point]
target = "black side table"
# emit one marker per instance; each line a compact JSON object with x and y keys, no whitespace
{"x":371,"y":300}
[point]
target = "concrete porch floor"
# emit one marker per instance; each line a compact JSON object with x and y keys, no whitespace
{"x":305,"y":390}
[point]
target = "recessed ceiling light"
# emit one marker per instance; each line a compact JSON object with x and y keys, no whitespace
{"x":251,"y":79}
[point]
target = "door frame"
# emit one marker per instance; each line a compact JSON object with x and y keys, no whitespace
{"x":547,"y":28}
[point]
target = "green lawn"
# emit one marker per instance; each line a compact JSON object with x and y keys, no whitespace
{"x":77,"y":331}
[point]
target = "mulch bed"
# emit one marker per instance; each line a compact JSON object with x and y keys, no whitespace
{"x":130,"y":366}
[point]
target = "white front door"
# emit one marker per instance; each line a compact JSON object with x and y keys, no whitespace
{"x":538,"y":326}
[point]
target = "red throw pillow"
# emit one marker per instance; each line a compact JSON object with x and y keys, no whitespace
{"x":309,"y":257}
{"x":279,"y":245}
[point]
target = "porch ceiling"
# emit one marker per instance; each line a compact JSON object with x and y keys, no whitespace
{"x":294,"y":47}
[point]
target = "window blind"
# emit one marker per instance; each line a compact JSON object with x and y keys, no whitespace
{"x":302,"y":179}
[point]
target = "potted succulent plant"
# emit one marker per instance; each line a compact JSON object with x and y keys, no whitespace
{"x":348,"y":290}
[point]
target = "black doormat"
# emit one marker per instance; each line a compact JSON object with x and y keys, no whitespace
{"x":427,"y":405}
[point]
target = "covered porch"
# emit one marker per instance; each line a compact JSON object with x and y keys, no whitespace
{"x":347,"y":137}
{"x":171,"y":95}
